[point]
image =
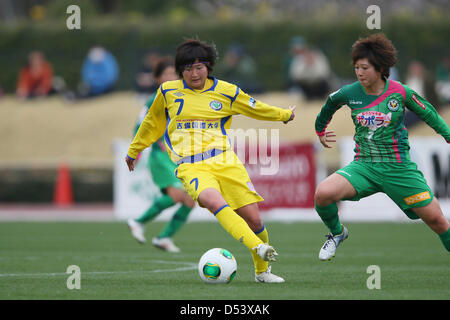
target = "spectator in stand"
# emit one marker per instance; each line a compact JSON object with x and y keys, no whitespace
{"x":418,"y":79}
{"x":145,"y":83}
{"x":35,"y":79}
{"x":99,"y":73}
{"x":308,"y":70}
{"x":415,"y":77}
{"x":239,"y":68}
{"x":393,"y":74}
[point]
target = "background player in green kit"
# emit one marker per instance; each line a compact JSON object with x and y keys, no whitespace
{"x":162,"y":170}
{"x":382,"y":162}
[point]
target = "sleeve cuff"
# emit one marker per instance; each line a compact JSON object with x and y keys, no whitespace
{"x":130,"y":157}
{"x":288,"y":115}
{"x":321,"y":133}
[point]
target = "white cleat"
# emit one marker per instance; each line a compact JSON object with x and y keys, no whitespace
{"x":328,"y":249}
{"x":137,"y":230}
{"x":165,"y":244}
{"x":268,"y":277}
{"x":266,"y":252}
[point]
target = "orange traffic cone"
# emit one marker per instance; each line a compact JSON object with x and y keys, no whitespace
{"x":63,"y":195}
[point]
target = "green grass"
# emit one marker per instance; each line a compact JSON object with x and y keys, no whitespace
{"x":34,"y":258}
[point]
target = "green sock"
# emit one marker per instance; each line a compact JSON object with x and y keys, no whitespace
{"x":177,"y":221}
{"x":445,"y":238}
{"x":158,"y":206}
{"x":329,"y":215}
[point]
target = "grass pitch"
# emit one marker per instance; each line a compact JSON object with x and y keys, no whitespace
{"x":34,"y":258}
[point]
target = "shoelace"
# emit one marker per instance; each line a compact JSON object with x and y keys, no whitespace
{"x":330,"y":237}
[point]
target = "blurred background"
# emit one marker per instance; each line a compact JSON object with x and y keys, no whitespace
{"x":59,"y":120}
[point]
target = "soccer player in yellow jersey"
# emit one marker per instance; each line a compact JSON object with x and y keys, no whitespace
{"x":193,"y":114}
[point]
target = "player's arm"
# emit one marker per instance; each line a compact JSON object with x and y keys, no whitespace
{"x":427,"y":113}
{"x":150,"y":130}
{"x":248,"y":106}
{"x":141,"y":118}
{"x":334,"y":102}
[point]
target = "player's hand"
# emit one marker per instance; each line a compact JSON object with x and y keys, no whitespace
{"x":327,"y":137}
{"x":130,"y":163}
{"x":292,"y":108}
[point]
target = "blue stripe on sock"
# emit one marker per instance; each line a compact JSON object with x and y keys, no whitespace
{"x":262,"y":229}
{"x":218,"y":210}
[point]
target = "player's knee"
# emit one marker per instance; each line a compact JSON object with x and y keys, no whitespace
{"x":176,"y":194}
{"x":211,"y":200}
{"x":188,"y":202}
{"x":325,"y":195}
{"x":438,"y":223}
{"x":255,"y":223}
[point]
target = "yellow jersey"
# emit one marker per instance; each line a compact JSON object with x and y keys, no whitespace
{"x":196,"y":121}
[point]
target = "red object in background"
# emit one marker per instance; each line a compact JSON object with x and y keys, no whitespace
{"x":291,"y":182}
{"x":63,"y":195}
{"x":36,"y":83}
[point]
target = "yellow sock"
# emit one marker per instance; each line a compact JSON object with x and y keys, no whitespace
{"x":260,"y":264}
{"x":237,"y":227}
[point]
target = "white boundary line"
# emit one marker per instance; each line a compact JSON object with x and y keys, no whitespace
{"x":190,"y":266}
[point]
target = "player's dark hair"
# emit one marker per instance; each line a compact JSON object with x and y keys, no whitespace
{"x":378,"y":49}
{"x":194,"y":50}
{"x":161,"y":65}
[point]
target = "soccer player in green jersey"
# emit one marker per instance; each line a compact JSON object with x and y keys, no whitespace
{"x":162,"y":171}
{"x":193,"y":114}
{"x":382,"y":162}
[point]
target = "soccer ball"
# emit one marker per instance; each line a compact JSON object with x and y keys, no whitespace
{"x":217,"y":265}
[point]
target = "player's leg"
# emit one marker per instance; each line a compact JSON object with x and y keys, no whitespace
{"x":164,"y":239}
{"x":213,"y":200}
{"x":160,"y":204}
{"x":328,"y":193}
{"x":202,"y":185}
{"x":137,"y":225}
{"x":180,"y":216}
{"x":162,"y":172}
{"x":353,"y":182}
{"x":408,"y":188}
{"x":432,"y":215}
{"x":250,"y":213}
{"x":240,"y":194}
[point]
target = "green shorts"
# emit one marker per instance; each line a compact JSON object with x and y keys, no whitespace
{"x":163,"y":170}
{"x":402,"y":182}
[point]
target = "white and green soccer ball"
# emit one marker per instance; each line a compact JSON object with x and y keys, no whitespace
{"x":217,"y":265}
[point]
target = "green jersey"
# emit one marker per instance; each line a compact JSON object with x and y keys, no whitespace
{"x":380,"y":132}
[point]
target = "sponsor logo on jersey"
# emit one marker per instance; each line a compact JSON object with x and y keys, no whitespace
{"x":393,"y":105}
{"x":342,"y":171}
{"x":178,"y":94}
{"x":355,"y":102}
{"x":333,"y":93}
{"x":252,"y":102}
{"x":417,"y":198}
{"x":418,"y":101}
{"x":374,"y":119}
{"x":216,"y":105}
{"x":197,"y":124}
